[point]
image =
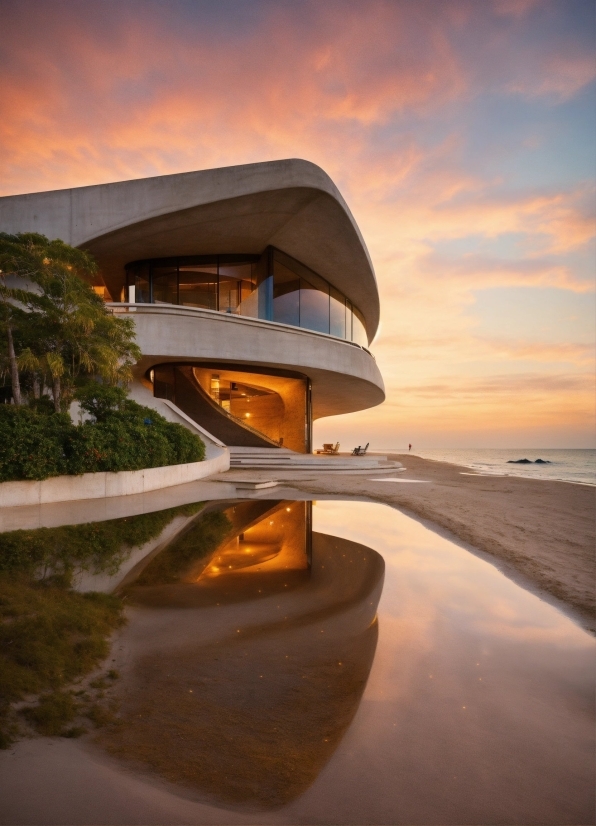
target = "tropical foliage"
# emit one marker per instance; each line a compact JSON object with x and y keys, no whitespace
{"x":35,"y":444}
{"x":58,"y":331}
{"x":61,"y":343}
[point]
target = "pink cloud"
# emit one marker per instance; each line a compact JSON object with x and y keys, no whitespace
{"x":515,"y":8}
{"x":91,"y":95}
{"x":562,"y":77}
{"x":174,"y":98}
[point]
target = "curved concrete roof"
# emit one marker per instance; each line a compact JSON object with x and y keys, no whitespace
{"x":290,"y":204}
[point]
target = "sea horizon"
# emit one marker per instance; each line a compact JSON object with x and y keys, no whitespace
{"x":576,"y":465}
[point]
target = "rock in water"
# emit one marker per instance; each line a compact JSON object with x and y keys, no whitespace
{"x":527,"y":462}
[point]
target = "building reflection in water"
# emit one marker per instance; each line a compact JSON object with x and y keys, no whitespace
{"x":277,"y":540}
{"x":243,"y":667}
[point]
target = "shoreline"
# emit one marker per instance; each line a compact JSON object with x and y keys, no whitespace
{"x":539,"y":532}
{"x":501,"y":466}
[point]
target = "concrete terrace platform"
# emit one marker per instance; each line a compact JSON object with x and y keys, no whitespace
{"x":282,"y":460}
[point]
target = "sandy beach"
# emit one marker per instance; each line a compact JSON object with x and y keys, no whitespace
{"x":540,"y":533}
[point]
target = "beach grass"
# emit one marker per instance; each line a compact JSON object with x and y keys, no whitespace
{"x":49,"y":637}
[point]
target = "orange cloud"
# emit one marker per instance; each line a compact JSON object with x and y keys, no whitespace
{"x":378,"y":94}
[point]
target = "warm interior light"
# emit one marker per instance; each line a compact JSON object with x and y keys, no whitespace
{"x":266,"y":545}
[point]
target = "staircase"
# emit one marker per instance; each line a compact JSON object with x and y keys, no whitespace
{"x":282,"y":459}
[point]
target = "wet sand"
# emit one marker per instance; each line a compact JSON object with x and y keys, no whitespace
{"x":541,"y":533}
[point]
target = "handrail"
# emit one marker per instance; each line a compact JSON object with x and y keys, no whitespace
{"x":230,"y":416}
{"x":217,"y":442}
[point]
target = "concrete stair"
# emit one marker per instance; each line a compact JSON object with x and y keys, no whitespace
{"x":283,"y":459}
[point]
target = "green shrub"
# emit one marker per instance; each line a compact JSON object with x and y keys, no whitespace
{"x":32,"y":443}
{"x":37,"y":445}
{"x":131,"y":438}
{"x":99,"y":399}
{"x":50,"y":635}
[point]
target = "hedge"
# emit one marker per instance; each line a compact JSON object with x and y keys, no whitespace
{"x":36,"y":444}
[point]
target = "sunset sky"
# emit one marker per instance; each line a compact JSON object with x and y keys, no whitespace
{"x":461,"y":135}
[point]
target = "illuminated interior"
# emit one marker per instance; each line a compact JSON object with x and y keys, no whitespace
{"x":252,"y":707}
{"x":276,"y":541}
{"x":275,"y":406}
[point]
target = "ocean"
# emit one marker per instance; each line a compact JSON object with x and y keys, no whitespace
{"x":577,"y":466}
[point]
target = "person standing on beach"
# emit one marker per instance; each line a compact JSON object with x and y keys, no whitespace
{"x":409,"y":448}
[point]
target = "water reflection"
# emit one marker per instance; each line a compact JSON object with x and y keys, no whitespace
{"x":277,"y":540}
{"x":245,"y":684}
{"x":244,"y":663}
{"x":231,"y":551}
{"x":93,"y":555}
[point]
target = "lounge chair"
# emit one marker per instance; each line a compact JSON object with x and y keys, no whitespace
{"x":329,"y":449}
{"x":360,"y":451}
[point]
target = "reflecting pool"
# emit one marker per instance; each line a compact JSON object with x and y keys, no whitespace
{"x":248,"y":662}
{"x":327,"y":662}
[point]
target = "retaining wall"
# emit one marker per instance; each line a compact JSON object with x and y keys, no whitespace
{"x":102,"y":485}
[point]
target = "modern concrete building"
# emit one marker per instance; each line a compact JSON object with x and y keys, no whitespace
{"x":251,"y":287}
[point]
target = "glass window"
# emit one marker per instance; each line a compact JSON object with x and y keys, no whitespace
{"x":272,"y":286}
{"x":198,"y":285}
{"x":314,"y":306}
{"x":165,"y":284}
{"x":349,"y":316}
{"x":358,"y":329}
{"x":138,"y":277}
{"x":236,"y":285}
{"x":164,"y":383}
{"x":337,"y":313}
{"x":260,"y":303}
{"x":286,"y":295}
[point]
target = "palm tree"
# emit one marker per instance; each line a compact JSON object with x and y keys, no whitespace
{"x":67,"y":333}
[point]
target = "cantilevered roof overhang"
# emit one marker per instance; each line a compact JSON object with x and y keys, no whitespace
{"x":290,"y":204}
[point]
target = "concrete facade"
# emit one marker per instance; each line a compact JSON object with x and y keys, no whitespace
{"x":291,"y":205}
